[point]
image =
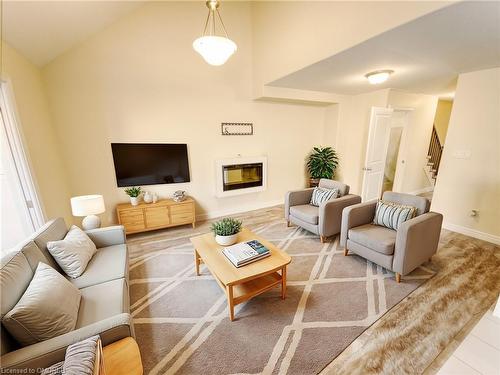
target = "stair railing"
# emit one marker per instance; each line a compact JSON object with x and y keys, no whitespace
{"x":435,"y":151}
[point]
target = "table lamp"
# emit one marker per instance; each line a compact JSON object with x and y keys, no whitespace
{"x":88,"y":206}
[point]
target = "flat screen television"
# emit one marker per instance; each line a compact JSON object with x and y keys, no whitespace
{"x":150,"y":163}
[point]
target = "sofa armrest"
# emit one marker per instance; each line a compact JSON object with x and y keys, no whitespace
{"x":46,"y":353}
{"x":417,"y":240}
{"x":296,"y":198}
{"x":354,"y":216}
{"x":330,"y":213}
{"x":108,"y":236}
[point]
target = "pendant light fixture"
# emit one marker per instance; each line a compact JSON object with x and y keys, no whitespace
{"x":214,"y":49}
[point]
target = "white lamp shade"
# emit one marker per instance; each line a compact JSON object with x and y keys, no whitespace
{"x":87,"y":205}
{"x":215,"y":50}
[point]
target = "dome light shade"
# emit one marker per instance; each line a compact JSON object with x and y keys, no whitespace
{"x":379,"y":76}
{"x":215,"y":50}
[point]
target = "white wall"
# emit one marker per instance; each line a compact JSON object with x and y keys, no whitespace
{"x":141,"y":81}
{"x":40,"y":139}
{"x":290,"y":35}
{"x":469,"y":174}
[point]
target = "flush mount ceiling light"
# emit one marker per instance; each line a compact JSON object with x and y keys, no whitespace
{"x":378,"y":76}
{"x":214,"y":49}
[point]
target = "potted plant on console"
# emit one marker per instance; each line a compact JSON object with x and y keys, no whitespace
{"x":226,"y":231}
{"x":321,"y":163}
{"x":133,"y":193}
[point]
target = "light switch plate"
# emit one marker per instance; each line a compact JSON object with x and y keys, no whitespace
{"x":462,"y":154}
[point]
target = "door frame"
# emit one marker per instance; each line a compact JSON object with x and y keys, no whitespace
{"x":15,"y":139}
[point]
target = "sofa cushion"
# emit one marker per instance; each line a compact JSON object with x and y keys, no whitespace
{"x":74,"y":252}
{"x":102,"y":301}
{"x":53,"y":230}
{"x":306,"y":212}
{"x":48,"y":308}
{"x":108,"y":263}
{"x":34,"y":255}
{"x":375,"y":237}
{"x":15,"y":276}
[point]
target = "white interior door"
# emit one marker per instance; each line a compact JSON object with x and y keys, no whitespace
{"x":376,"y":152}
{"x":401,"y":118}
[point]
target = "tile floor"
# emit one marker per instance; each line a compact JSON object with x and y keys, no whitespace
{"x":479,"y":352}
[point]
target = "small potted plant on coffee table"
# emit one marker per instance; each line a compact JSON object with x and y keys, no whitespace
{"x":133,"y":193}
{"x":226,"y":231}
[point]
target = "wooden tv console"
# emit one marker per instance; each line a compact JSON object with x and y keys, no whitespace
{"x":150,"y":216}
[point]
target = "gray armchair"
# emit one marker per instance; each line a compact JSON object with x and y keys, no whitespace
{"x":323,"y":220}
{"x":401,"y":251}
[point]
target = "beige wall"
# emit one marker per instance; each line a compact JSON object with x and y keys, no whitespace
{"x":42,"y":144}
{"x":290,"y":35}
{"x":418,"y":136}
{"x":469,"y":175}
{"x":442,"y":118}
{"x":141,"y":81}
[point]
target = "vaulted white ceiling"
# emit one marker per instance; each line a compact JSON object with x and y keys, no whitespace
{"x":426,"y":54}
{"x":42,"y":30}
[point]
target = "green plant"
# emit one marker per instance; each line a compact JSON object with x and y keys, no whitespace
{"x":226,"y":227}
{"x":322,"y":162}
{"x":133,"y":192}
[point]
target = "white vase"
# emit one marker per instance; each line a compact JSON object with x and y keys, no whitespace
{"x":148,"y":197}
{"x":226,"y":240}
{"x":134,"y":201}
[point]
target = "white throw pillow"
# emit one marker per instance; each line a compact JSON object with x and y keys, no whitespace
{"x":74,"y":252}
{"x":48,"y":308}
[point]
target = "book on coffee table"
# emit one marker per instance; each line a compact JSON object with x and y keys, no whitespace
{"x":244,"y":253}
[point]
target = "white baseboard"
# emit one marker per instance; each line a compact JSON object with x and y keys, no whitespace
{"x":238,"y":209}
{"x":472,"y":233}
{"x":427,"y":189}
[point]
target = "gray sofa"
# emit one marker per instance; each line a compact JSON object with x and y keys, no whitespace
{"x":104,"y":305}
{"x":324,"y":220}
{"x":401,"y":251}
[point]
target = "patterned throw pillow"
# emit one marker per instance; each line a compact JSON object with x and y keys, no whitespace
{"x":391,"y":215}
{"x":321,"y":195}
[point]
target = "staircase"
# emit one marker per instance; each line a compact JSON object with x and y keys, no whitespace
{"x":433,"y":157}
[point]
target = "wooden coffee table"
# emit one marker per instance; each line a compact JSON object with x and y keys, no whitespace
{"x":241,"y":284}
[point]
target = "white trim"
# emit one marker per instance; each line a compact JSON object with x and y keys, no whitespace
{"x":238,"y":209}
{"x":472,"y":233}
{"x":427,"y":189}
{"x":15,"y":139}
{"x":219,"y":164}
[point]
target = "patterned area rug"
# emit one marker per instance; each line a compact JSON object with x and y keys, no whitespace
{"x":182,"y":324}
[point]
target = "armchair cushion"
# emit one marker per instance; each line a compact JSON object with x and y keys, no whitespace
{"x":306,"y":212}
{"x":297,"y":198}
{"x":422,"y":204}
{"x":321,"y":195}
{"x":392,"y":215}
{"x":342,"y":188}
{"x":355,"y":216}
{"x":375,"y":237}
